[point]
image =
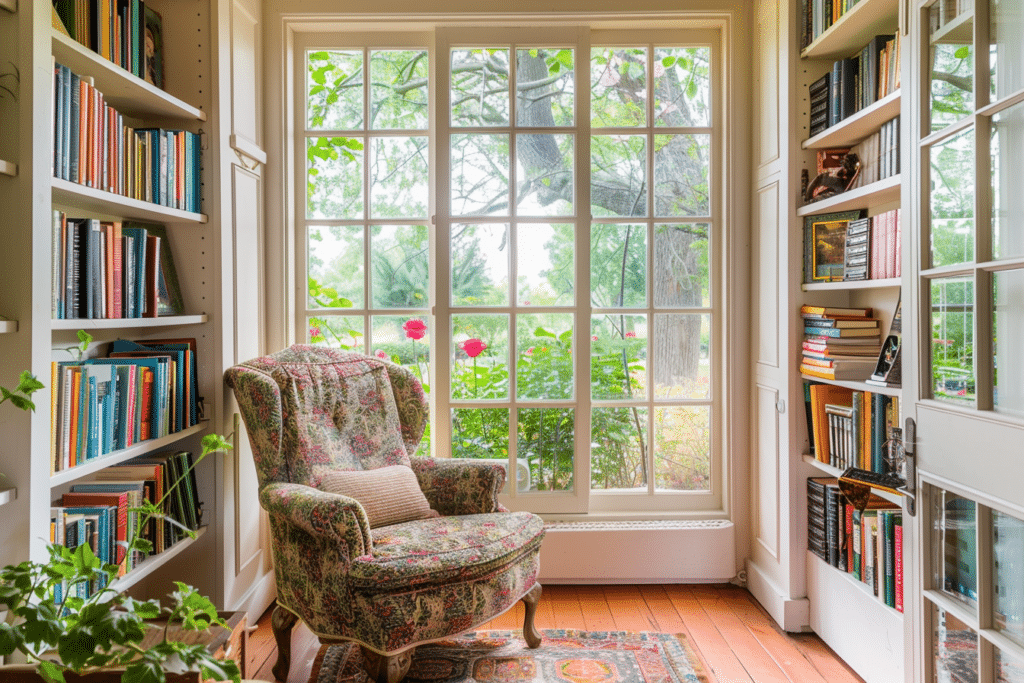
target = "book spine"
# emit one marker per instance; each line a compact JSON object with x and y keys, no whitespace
{"x":898,"y":566}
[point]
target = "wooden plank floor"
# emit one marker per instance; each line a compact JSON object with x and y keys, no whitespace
{"x":736,"y":639}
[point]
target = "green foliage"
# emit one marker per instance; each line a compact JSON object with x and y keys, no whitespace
{"x":106,"y":630}
{"x":19,"y":395}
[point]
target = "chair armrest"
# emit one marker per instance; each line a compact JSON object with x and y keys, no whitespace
{"x":336,"y":520}
{"x":460,"y":487}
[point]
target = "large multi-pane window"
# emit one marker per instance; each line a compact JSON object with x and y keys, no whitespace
{"x":530,"y":219}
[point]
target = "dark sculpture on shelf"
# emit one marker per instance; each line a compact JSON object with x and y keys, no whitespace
{"x":833,"y":181}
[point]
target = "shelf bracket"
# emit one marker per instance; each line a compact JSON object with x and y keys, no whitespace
{"x":909,"y":489}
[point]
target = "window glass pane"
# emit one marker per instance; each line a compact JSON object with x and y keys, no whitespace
{"x":952,"y":200}
{"x":482,"y":433}
{"x":955,"y":564}
{"x":618,"y":175}
{"x":480,"y":266}
{"x":544,"y":369}
{"x":337,"y":331}
{"x":479,"y":175}
{"x":479,"y":87}
{"x":404,"y":337}
{"x":400,"y":266}
{"x":545,"y":443}
{"x":681,"y":277}
{"x":545,"y":87}
{"x":334,"y":263}
{"x":618,"y":266}
{"x":682,"y":448}
{"x":682,"y":356}
{"x":479,"y":356}
{"x":681,"y":167}
{"x":1007,"y":49}
{"x":682,"y":86}
{"x":955,"y":648}
{"x":398,"y":177}
{"x":334,"y":85}
{"x":952,"y":361}
{"x":1007,"y":341}
{"x":1007,"y":149}
{"x":545,"y":261}
{"x":618,"y":86}
{"x":952,"y":63}
{"x":544,"y":185}
{"x":398,"y":89}
{"x":334,"y":178}
{"x":618,"y":357}
{"x":1008,"y":577}
{"x":1008,"y":669}
{"x":618,"y":448}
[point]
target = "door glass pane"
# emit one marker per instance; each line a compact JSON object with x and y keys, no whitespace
{"x":1008,"y":669}
{"x":545,"y":443}
{"x":479,"y":87}
{"x":955,"y":648}
{"x":479,"y":356}
{"x":544,"y":172}
{"x":618,"y":175}
{"x":682,"y":448}
{"x":479,"y":175}
{"x":952,"y":200}
{"x":618,"y":86}
{"x":682,"y":356}
{"x":618,"y":357}
{"x":1007,"y":148}
{"x":952,"y":63}
{"x":544,"y":368}
{"x":480,"y":265}
{"x":337,"y":331}
{"x":1008,"y":576}
{"x":398,"y":177}
{"x":618,"y":266}
{"x":682,"y":86}
{"x":681,"y":277}
{"x":681,"y":168}
{"x":481,"y":433}
{"x":952,"y":349}
{"x":1007,"y":49}
{"x":545,"y":264}
{"x":400,"y":266}
{"x":545,"y":87}
{"x":334,"y":90}
{"x":334,"y":177}
{"x":398,"y":89}
{"x":1007,"y":341}
{"x":954,"y":545}
{"x":618,"y":448}
{"x":334,"y":262}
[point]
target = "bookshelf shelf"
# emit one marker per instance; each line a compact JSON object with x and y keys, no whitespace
{"x":127,"y":323}
{"x":847,"y":285}
{"x":881,"y":192}
{"x":127,"y":93}
{"x":854,"y":29}
{"x":836,"y":472}
{"x":75,"y":473}
{"x":9,"y":5}
{"x":8,"y":168}
{"x":8,"y":326}
{"x":853,"y":129}
{"x":856,"y":386}
{"x":7,"y":495}
{"x":90,"y":199}
{"x":154,"y":562}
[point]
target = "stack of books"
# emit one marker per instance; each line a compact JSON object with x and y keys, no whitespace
{"x":839,"y":343}
{"x":820,"y":98}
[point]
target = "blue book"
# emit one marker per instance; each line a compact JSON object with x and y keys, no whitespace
{"x":58,"y":120}
{"x":120,"y":435}
{"x":135,"y":272}
{"x":74,"y":131}
{"x":153,"y":365}
{"x":179,"y":353}
{"x":105,"y":533}
{"x":93,"y":445}
{"x":840,"y":332}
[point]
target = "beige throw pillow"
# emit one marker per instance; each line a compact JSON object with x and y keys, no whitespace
{"x":389,"y":495}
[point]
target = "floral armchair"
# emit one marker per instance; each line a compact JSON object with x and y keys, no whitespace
{"x":312,"y":412}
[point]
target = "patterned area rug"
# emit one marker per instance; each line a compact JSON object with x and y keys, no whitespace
{"x":502,"y":657}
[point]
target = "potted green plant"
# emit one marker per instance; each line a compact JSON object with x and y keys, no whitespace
{"x":104,"y":633}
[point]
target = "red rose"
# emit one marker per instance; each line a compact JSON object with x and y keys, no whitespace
{"x":415,"y":328}
{"x":473,"y":347}
{"x":381,"y":354}
{"x":631,"y":334}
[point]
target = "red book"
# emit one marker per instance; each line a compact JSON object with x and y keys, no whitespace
{"x":877,"y":246}
{"x":84,"y":90}
{"x":115,"y":245}
{"x":97,"y":498}
{"x":898,"y":565}
{"x":145,"y":419}
{"x":898,"y":241}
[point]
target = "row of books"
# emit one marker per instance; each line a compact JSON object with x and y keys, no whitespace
{"x":867,"y":543}
{"x":850,"y":428}
{"x":879,"y":154}
{"x":104,"y":512}
{"x":112,"y":269}
{"x":125,"y":32}
{"x":143,"y":390}
{"x":854,"y":83}
{"x":817,"y":16}
{"x":93,"y":146}
{"x":839,"y":346}
{"x":873,"y":247}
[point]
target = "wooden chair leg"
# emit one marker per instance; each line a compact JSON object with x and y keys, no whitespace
{"x":530,"y":632}
{"x":281,"y":621}
{"x":387,"y":668}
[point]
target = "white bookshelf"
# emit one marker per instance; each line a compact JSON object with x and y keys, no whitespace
{"x":830,"y":471}
{"x":8,"y":168}
{"x":853,"y":129}
{"x":854,"y":29}
{"x":9,"y":5}
{"x":127,"y":323}
{"x":884,"y":283}
{"x":8,"y":326}
{"x":7,"y":495}
{"x":154,"y":562}
{"x":89,"y":199}
{"x":884,"y":191}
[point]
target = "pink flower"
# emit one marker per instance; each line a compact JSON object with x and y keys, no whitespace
{"x":415,"y":328}
{"x":314,"y":332}
{"x":381,"y":354}
{"x":594,"y":338}
{"x":631,"y":334}
{"x":473,"y":347}
{"x":529,"y":351}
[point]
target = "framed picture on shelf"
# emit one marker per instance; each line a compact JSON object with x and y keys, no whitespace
{"x":825,"y":245}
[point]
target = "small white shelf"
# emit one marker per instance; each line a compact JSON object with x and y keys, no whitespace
{"x":855,"y":29}
{"x":8,"y":326}
{"x":75,"y":473}
{"x":845,"y":285}
{"x":853,"y":129}
{"x":125,"y":92}
{"x":959,"y":31}
{"x":9,"y":5}
{"x":881,"y":192}
{"x":90,"y":199}
{"x":856,"y":386}
{"x":127,"y":323}
{"x":7,"y":495}
{"x":154,"y":562}
{"x":838,"y":472}
{"x":8,"y":168}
